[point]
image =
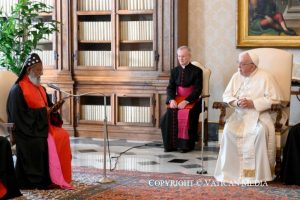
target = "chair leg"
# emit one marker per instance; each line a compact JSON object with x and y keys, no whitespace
{"x":278,"y":164}
{"x":206,"y":132}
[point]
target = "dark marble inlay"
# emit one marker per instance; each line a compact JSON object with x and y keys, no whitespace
{"x":87,"y":150}
{"x":166,"y":156}
{"x":148,"y":163}
{"x":191,"y":166}
{"x":207,"y":158}
{"x":177,"y":160}
{"x":213,"y":149}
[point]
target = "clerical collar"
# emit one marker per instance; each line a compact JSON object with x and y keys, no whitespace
{"x":183,"y":66}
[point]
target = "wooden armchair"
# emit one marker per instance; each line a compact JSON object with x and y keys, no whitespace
{"x":204,"y":95}
{"x":7,"y":79}
{"x":279,"y":63}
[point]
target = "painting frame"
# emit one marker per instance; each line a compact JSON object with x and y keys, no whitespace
{"x":245,"y":40}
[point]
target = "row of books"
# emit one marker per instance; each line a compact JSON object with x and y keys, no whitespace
{"x":6,"y":6}
{"x":95,"y":31}
{"x":47,"y":57}
{"x":136,"y":58}
{"x":95,"y":112}
{"x":136,"y":30}
{"x":104,"y":5}
{"x":136,"y":4}
{"x":95,"y":58}
{"x":94,"y":5}
{"x":134,"y":114}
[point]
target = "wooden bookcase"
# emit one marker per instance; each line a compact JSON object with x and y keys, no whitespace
{"x":124,"y":49}
{"x":121,"y":50}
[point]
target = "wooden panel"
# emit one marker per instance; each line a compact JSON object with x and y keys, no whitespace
{"x":169,"y":31}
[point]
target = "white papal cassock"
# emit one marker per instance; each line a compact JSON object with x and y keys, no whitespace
{"x":247,"y":151}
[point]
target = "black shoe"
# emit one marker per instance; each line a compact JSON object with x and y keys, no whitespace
{"x":169,"y":150}
{"x":184,"y":150}
{"x":290,"y":31}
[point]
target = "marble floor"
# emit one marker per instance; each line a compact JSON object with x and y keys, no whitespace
{"x":141,"y":156}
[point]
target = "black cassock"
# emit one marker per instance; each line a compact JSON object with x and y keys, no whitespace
{"x":7,"y":171}
{"x":290,"y":170}
{"x":191,"y":75}
{"x":32,"y":168}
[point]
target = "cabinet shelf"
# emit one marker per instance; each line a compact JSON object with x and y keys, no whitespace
{"x":94,"y":13}
{"x":134,"y":68}
{"x":135,"y":12}
{"x":45,"y":42}
{"x":46,"y":14}
{"x":95,"y":41}
{"x":135,"y":41}
{"x":93,"y":67}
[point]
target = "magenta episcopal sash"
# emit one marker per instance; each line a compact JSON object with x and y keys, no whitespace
{"x":183,"y":114}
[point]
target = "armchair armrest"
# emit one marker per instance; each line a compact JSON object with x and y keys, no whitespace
{"x":278,"y":108}
{"x":222,"y":106}
{"x":10,"y":127}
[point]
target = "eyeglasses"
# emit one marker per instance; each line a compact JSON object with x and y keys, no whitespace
{"x":244,"y":64}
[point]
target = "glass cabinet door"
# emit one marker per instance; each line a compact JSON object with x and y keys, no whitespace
{"x":135,"y":27}
{"x":134,"y":110}
{"x":92,"y":108}
{"x":47,"y":46}
{"x":94,"y":34}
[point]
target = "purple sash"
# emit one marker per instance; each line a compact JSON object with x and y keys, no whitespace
{"x":183,"y":114}
{"x":55,"y":171}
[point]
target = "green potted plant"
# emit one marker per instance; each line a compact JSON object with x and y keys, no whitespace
{"x":21,"y":31}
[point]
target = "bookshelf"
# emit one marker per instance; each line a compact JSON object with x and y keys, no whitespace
{"x":134,"y":110}
{"x":92,"y":108}
{"x":124,"y":49}
{"x":136,"y":39}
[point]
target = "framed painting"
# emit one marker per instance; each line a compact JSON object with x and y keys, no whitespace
{"x":268,"y":23}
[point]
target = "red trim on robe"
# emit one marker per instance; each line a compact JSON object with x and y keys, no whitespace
{"x":35,"y":96}
{"x":3,"y":189}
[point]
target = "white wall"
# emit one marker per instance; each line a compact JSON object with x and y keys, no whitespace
{"x":212,"y":30}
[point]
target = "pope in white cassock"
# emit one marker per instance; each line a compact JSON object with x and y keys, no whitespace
{"x":247,"y":151}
